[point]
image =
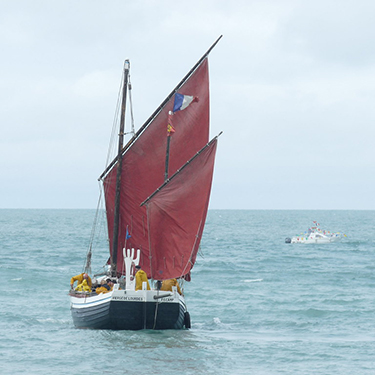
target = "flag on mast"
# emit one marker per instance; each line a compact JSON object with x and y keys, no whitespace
{"x":183,"y":101}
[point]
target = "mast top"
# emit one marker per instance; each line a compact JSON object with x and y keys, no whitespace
{"x":127,"y":64}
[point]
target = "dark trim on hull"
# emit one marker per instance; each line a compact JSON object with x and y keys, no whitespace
{"x":134,"y":315}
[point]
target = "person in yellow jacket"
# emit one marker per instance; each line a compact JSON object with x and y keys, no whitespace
{"x":79,"y":278}
{"x":140,"y":277}
{"x":83,"y":287}
{"x":105,"y":286}
{"x":167,"y":285}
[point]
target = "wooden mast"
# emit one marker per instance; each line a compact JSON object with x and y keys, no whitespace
{"x":167,"y":157}
{"x":116,"y":222}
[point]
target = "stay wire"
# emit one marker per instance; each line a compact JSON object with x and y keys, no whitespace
{"x":115,"y":124}
{"x":131,"y":108}
{"x":87,"y":266}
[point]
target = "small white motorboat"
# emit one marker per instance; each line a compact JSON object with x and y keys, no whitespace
{"x":316,"y":235}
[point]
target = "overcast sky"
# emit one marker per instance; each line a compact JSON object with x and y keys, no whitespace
{"x":292,"y":88}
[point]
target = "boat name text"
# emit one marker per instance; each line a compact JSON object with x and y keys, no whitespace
{"x":140,"y":299}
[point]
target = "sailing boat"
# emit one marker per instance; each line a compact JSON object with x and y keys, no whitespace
{"x":156,"y":193}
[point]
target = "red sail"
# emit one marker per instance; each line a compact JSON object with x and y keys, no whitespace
{"x":176,"y":217}
{"x":143,"y":165}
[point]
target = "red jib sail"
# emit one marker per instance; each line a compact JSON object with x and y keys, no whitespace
{"x":176,"y":217}
{"x":143,"y":165}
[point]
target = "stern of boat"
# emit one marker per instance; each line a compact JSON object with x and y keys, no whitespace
{"x":130,"y":310}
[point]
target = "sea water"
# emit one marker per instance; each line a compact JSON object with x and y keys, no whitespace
{"x":257,"y":305}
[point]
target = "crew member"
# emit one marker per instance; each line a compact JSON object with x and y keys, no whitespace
{"x":79,"y":278}
{"x":104,"y":287}
{"x":140,"y":277}
{"x":110,"y":284}
{"x":83,"y":287}
{"x":167,"y":285}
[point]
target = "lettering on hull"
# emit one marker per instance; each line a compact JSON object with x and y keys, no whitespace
{"x":138,"y":299}
{"x":125,"y":298}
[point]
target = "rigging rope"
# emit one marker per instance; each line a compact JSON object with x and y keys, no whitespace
{"x":87,"y":267}
{"x":112,"y":140}
{"x":156,"y":308}
{"x":131,"y":108}
{"x":112,"y":149}
{"x":99,"y":230}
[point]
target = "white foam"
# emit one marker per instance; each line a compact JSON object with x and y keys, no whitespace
{"x":252,"y":280}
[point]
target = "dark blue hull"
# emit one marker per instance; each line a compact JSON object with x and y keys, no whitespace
{"x":130,"y":315}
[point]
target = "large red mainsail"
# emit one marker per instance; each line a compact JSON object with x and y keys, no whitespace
{"x":143,"y":166}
